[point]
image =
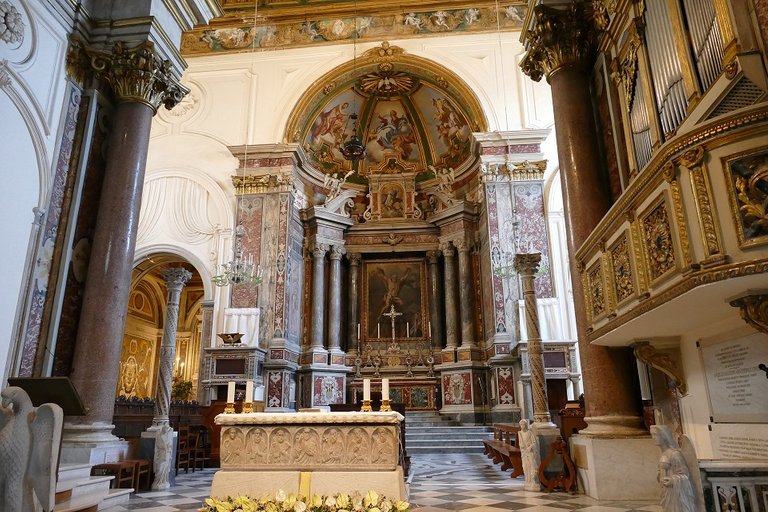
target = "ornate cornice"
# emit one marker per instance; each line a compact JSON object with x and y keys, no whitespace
{"x":559,"y":38}
{"x":648,"y":354}
{"x":250,"y":184}
{"x":137,"y":75}
{"x":754,"y":310}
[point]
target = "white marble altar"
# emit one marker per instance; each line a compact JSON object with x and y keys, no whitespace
{"x":310,"y":453}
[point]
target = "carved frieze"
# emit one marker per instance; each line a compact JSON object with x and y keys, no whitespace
{"x":659,"y":244}
{"x":747,"y":177}
{"x":278,"y":182}
{"x":621,"y":263}
{"x":559,"y":38}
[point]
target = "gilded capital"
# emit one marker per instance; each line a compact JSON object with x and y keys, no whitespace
{"x":137,"y":75}
{"x":559,"y":38}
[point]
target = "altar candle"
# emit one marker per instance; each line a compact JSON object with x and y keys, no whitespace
{"x":385,"y":389}
{"x":258,"y":394}
{"x":249,"y":391}
{"x":378,"y":330}
{"x":430,"y":329}
{"x":407,"y":329}
{"x":366,"y":389}
{"x":231,"y":392}
{"x":358,"y":331}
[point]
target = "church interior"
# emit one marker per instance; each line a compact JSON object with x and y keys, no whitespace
{"x":486,"y":213}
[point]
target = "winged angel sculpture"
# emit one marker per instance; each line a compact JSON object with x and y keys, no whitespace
{"x":29,"y":448}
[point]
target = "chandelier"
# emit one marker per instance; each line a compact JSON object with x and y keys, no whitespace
{"x":354,"y":149}
{"x":240,"y":270}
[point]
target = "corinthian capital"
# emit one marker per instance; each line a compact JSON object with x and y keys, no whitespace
{"x":176,"y":277}
{"x":527,"y":264}
{"x":559,"y":38}
{"x":137,"y":74}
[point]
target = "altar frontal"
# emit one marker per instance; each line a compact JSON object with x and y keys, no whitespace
{"x":309,"y":453}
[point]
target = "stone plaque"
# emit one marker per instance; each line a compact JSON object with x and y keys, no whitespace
{"x":736,"y":384}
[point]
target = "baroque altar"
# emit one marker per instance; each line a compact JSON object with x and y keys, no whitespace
{"x":309,"y":453}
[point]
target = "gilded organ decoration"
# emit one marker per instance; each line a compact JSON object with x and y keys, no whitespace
{"x":627,"y":73}
{"x":596,"y":290}
{"x":693,"y":159}
{"x":659,"y":246}
{"x":621,"y":263}
{"x":747,"y":175}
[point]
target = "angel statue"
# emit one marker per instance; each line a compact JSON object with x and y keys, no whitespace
{"x":333,"y":183}
{"x":677,"y":493}
{"x":29,"y":451}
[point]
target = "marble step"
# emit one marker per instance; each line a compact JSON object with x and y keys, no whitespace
{"x":444,"y":449}
{"x":115,"y":498}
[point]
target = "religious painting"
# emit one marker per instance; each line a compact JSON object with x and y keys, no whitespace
{"x":392,"y":201}
{"x":330,"y":129}
{"x":747,"y":176}
{"x":135,"y":378}
{"x":448,"y":128}
{"x":390,"y":135}
{"x":394,"y":294}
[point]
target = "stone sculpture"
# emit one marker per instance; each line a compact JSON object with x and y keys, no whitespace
{"x":677,"y":493}
{"x":29,"y":451}
{"x":163,"y":455}
{"x":529,"y":452}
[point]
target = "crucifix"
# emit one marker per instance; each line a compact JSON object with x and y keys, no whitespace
{"x":392,"y":315}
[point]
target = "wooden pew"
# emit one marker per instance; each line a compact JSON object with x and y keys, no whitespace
{"x":503,"y":448}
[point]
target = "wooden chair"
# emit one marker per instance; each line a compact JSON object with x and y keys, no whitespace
{"x":183,"y":449}
{"x":123,"y":472}
{"x":142,"y":474}
{"x":198,"y":448}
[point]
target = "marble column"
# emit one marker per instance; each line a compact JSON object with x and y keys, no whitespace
{"x":451,"y":334}
{"x":466,"y":292}
{"x":141,"y":82}
{"x":434,"y":301}
{"x":334,"y":300}
{"x":353,"y":317}
{"x":561,"y":46}
{"x":175,"y":279}
{"x":526,"y":266}
{"x":318,"y":297}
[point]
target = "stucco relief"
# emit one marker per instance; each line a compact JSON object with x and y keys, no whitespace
{"x":11,"y":24}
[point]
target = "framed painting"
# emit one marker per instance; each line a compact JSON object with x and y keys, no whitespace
{"x":395,"y":296}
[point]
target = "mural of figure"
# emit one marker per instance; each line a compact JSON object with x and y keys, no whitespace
{"x":677,"y":494}
{"x":529,"y":452}
{"x":393,"y":282}
{"x":162,"y":462}
{"x":330,"y":125}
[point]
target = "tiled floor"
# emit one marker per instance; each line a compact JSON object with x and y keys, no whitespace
{"x":438,"y":483}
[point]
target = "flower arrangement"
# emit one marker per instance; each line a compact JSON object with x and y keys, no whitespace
{"x":282,"y":502}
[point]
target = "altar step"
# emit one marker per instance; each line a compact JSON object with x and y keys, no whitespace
{"x":430,"y":432}
{"x":78,"y":491}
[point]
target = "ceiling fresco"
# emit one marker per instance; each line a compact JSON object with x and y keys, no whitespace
{"x":410,"y":118}
{"x":296,"y":24}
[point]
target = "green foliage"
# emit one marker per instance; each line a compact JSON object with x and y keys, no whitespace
{"x":181,"y":389}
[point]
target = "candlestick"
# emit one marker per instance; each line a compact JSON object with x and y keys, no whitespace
{"x":385,"y":406}
{"x":230,"y":392}
{"x":366,"y":390}
{"x":385,"y":389}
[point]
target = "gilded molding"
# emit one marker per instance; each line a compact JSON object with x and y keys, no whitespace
{"x":698,"y":278}
{"x":637,"y":251}
{"x":746,"y":174}
{"x":693,"y":159}
{"x":648,"y":354}
{"x":596,"y":290}
{"x":753,"y":310}
{"x":626,"y":75}
{"x":246,"y":185}
{"x":559,"y":38}
{"x":137,"y":75}
{"x":621,"y":269}
{"x":659,"y":243}
{"x":670,"y":175}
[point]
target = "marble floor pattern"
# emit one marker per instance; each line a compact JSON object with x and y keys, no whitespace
{"x":438,"y":483}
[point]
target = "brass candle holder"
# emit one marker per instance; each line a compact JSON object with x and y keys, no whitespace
{"x":385,"y":406}
{"x":366,"y":406}
{"x":230,"y":408}
{"x":247,"y":407}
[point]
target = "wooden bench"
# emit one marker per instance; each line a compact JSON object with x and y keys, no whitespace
{"x":503,"y":448}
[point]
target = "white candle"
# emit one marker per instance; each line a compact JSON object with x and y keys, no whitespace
{"x":366,"y":389}
{"x":430,"y":329}
{"x":378,"y":330}
{"x":358,"y":331}
{"x":407,"y":329}
{"x":385,"y":389}
{"x":249,"y":391}
{"x":258,"y":394}
{"x":231,"y":392}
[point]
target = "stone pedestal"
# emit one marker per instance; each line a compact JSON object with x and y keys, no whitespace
{"x":91,"y":444}
{"x":616,"y":469}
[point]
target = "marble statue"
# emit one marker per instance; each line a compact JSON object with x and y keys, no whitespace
{"x":677,"y":493}
{"x":529,"y":452}
{"x":29,"y":450}
{"x":163,"y":458}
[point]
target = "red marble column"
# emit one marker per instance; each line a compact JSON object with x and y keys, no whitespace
{"x":561,"y":46}
{"x":140,"y":83}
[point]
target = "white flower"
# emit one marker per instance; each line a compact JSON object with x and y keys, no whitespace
{"x":280,"y":496}
{"x":300,"y":506}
